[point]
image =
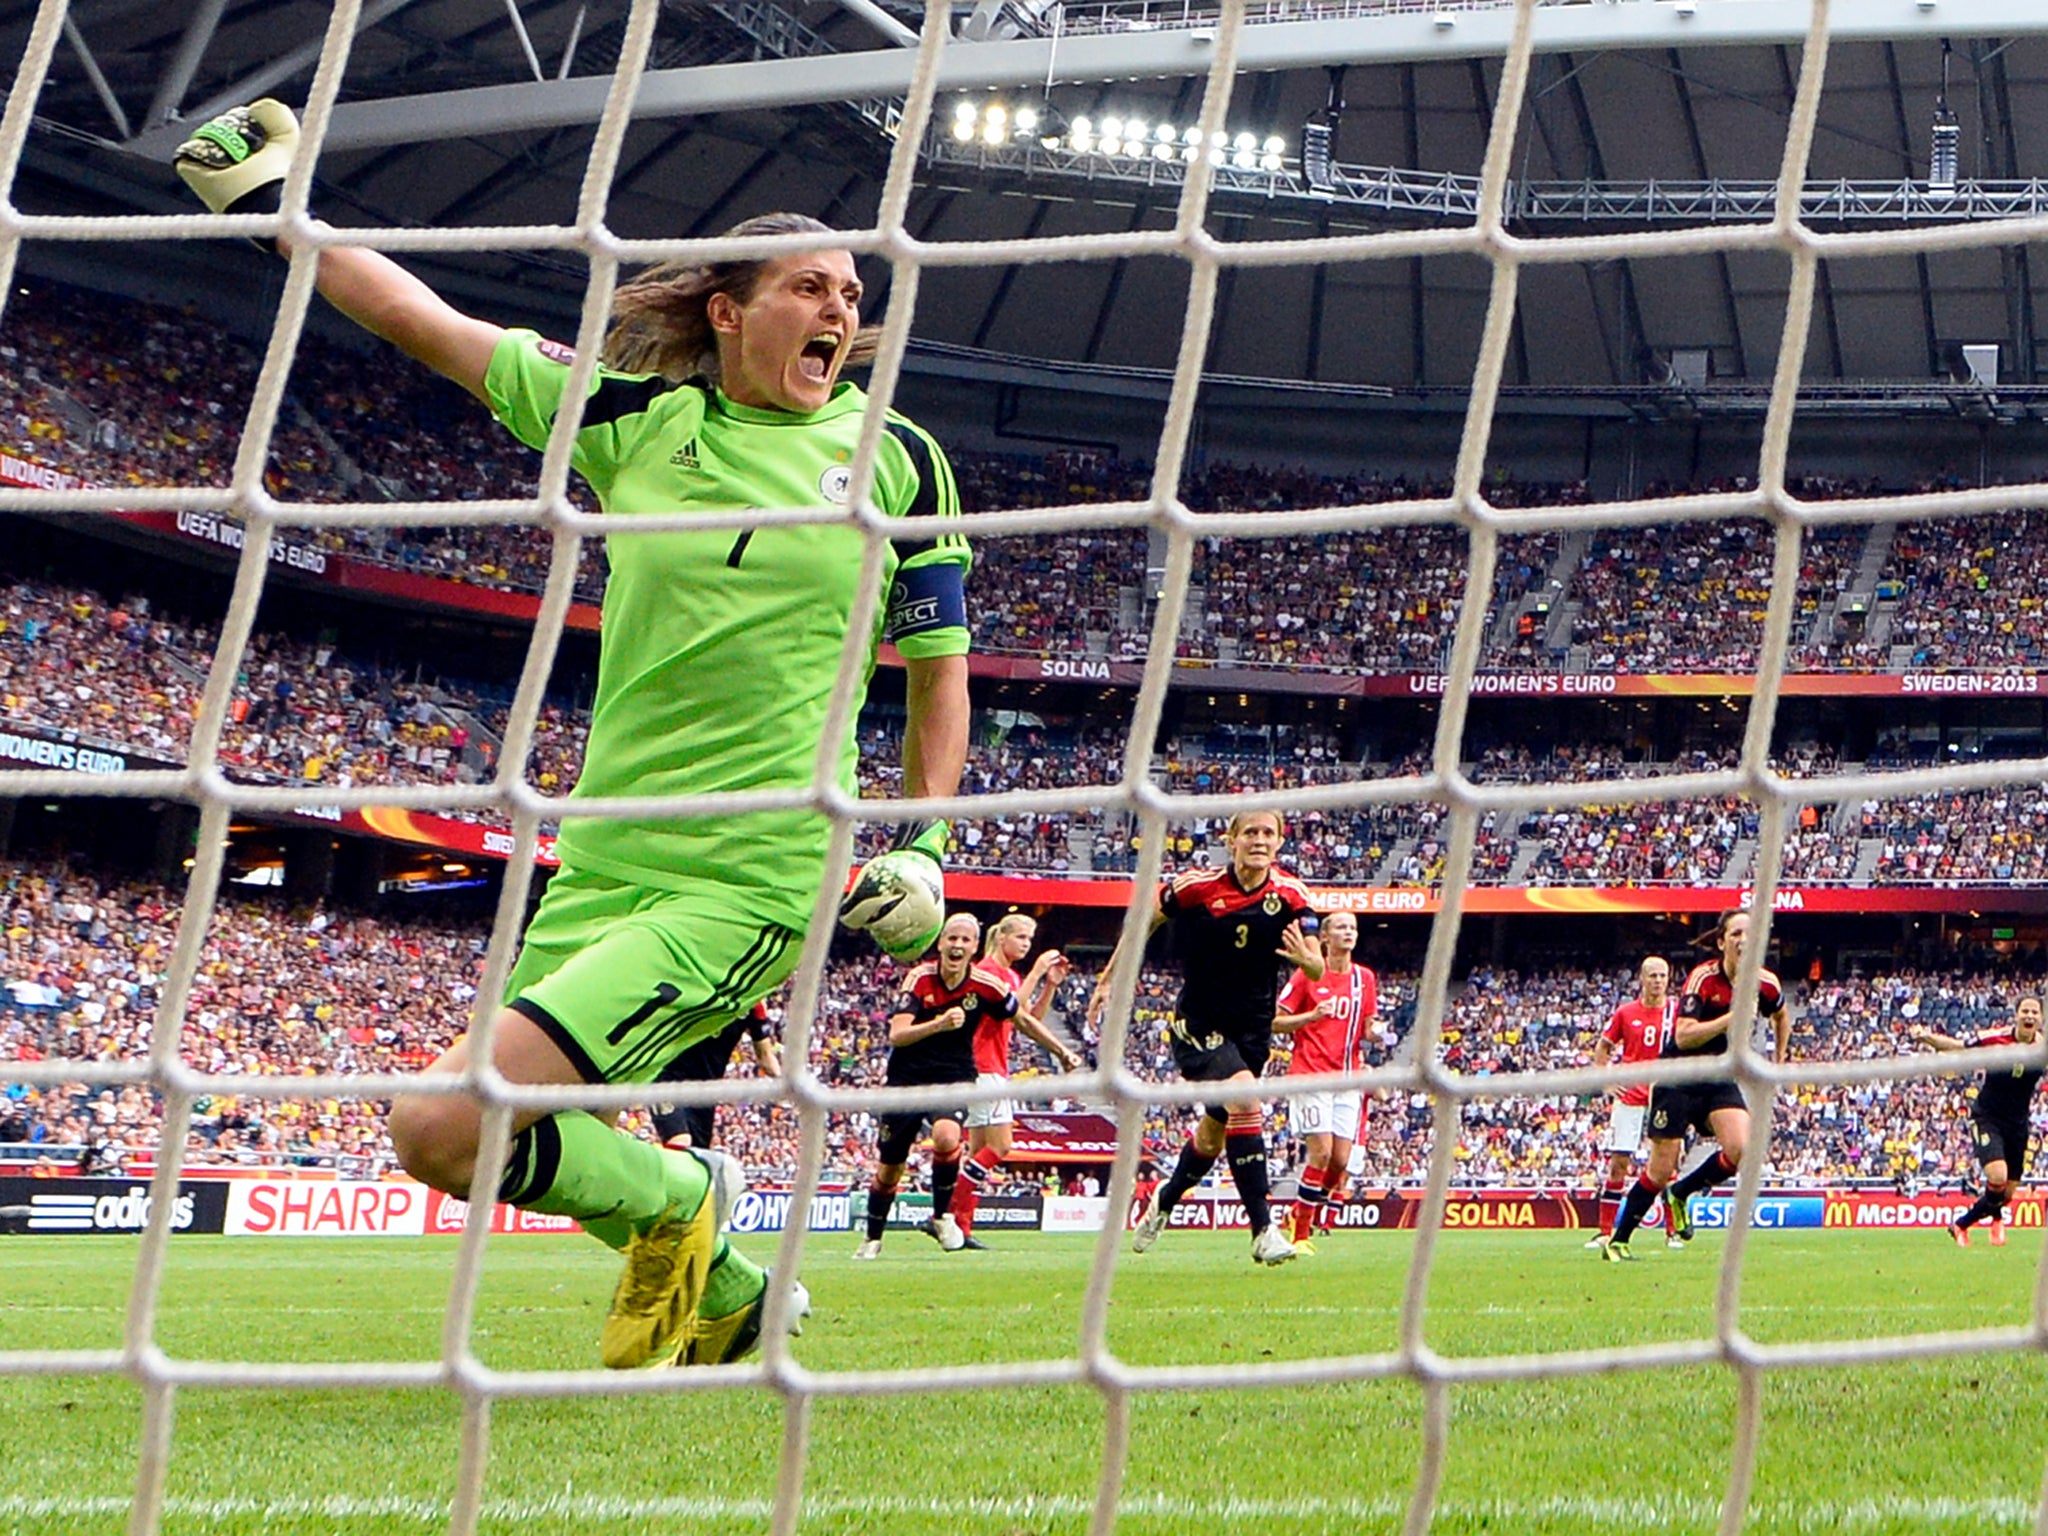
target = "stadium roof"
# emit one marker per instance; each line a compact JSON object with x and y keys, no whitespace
{"x":1639,"y":114}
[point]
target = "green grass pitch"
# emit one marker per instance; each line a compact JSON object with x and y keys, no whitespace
{"x":1953,"y":1446}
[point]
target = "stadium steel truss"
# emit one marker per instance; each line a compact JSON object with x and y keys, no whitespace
{"x":816,"y":93}
{"x":1421,"y":196}
{"x":1386,"y":190}
{"x":1176,"y":42}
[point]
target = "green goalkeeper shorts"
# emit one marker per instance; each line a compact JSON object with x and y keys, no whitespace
{"x":624,"y":977}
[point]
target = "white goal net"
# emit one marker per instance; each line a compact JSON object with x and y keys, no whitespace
{"x":1091,"y":1363}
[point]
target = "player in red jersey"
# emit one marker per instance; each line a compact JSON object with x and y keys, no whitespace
{"x":931,"y":1044}
{"x":2000,"y":1117}
{"x":1638,"y":1030}
{"x":1228,"y":926}
{"x":1706,"y":1007}
{"x":1329,"y":1018}
{"x":988,"y":1125}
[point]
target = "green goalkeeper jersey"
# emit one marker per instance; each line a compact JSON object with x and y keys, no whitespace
{"x":719,"y":650}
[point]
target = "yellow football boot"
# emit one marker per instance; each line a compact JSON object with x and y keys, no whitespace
{"x":654,"y":1310}
{"x":722,"y":1340}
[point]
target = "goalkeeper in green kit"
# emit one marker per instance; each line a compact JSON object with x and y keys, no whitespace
{"x":720,"y":389}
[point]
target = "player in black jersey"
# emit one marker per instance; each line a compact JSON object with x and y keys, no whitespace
{"x":1230,"y":927}
{"x":1706,"y":1007}
{"x":931,"y":1043}
{"x":691,"y":1125}
{"x":1999,"y":1119}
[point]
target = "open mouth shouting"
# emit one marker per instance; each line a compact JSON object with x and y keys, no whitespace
{"x":819,"y":353}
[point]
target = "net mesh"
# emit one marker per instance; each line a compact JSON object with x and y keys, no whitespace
{"x":1093,"y":1364}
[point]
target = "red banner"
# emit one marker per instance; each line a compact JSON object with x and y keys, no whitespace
{"x":1488,"y":900}
{"x":292,"y":1207}
{"x":1531,"y":685}
{"x":426,"y":829}
{"x":445,"y":1213}
{"x":1551,"y":685}
{"x":1511,"y":1210}
{"x":1045,"y":1136}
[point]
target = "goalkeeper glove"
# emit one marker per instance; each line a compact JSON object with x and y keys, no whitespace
{"x":926,"y":837}
{"x":899,"y":898}
{"x":237,"y":162}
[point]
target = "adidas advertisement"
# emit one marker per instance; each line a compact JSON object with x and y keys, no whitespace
{"x":98,"y":1206}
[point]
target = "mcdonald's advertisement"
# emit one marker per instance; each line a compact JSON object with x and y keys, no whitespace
{"x":1511,"y":1210}
{"x":1936,"y":1210}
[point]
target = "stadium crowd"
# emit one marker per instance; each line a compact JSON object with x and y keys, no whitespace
{"x":285,"y":991}
{"x":277,"y":993}
{"x":1690,"y":597}
{"x":1971,"y":591}
{"x":138,"y":394}
{"x":1381,"y":601}
{"x":123,"y":392}
{"x":115,"y":673}
{"x":1947,"y":838}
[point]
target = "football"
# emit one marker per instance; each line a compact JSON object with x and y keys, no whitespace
{"x":899,"y":898}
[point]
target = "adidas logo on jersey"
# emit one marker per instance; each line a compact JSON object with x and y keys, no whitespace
{"x":685,"y":457}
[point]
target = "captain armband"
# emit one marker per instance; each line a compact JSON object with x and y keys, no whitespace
{"x":926,"y":598}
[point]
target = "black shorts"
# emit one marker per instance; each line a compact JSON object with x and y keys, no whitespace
{"x":1213,"y":1058}
{"x":1676,"y":1108}
{"x":704,"y":1062}
{"x":900,"y":1127}
{"x":695,"y":1121}
{"x":2001,"y":1140}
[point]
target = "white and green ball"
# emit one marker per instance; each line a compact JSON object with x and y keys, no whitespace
{"x":900,"y":898}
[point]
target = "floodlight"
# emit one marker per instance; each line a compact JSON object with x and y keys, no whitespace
{"x":1945,"y":150}
{"x":1945,"y":141}
{"x":1319,"y":140}
{"x":1318,"y":168}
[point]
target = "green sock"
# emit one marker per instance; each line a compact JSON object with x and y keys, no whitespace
{"x":736,"y":1281}
{"x":573,"y":1164}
